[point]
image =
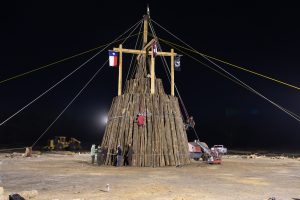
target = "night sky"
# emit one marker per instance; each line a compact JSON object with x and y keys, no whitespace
{"x":262,"y":37}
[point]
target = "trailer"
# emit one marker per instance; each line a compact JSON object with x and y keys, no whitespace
{"x":195,"y":150}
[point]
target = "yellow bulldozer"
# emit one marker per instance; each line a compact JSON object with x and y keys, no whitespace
{"x":60,"y":143}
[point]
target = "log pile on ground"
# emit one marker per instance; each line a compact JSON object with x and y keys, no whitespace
{"x":162,"y":140}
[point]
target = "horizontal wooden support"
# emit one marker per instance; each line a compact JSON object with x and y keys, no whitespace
{"x":149,"y":44}
{"x":134,"y":51}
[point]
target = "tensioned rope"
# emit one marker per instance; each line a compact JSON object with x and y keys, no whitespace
{"x":166,"y":67}
{"x":167,"y":70}
{"x":232,"y":76}
{"x":70,"y":103}
{"x":60,"y":61}
{"x":231,"y":80}
{"x":252,"y":90}
{"x":224,"y":75}
{"x":233,"y":65}
{"x":80,"y":91}
{"x":135,"y":61}
{"x":133,"y":55}
{"x":56,"y":84}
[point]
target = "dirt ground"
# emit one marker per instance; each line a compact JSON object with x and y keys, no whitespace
{"x":64,"y":177}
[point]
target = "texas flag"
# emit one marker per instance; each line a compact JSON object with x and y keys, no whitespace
{"x":113,"y":58}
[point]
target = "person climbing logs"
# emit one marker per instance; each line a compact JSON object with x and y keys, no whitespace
{"x":140,"y":119}
{"x":190,"y":123}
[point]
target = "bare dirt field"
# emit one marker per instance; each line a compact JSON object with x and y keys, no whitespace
{"x":66,"y":177}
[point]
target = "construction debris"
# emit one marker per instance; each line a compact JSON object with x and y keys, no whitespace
{"x":28,"y":152}
{"x":278,"y":157}
{"x":12,"y":155}
{"x":29,"y":194}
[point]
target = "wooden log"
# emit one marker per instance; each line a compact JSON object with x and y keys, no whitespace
{"x":168,"y":134}
{"x":178,"y":131}
{"x":149,"y":131}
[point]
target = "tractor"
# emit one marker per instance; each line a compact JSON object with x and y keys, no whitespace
{"x":60,"y":143}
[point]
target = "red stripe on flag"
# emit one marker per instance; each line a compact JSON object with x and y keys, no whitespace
{"x":115,"y":61}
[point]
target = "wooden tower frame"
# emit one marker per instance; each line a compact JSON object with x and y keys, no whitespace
{"x":162,"y":140}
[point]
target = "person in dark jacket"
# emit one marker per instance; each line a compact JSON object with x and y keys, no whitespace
{"x":128,"y":156}
{"x":104,"y":151}
{"x":99,"y":157}
{"x":119,"y":156}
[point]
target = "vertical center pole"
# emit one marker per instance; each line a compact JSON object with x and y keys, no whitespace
{"x":120,"y":71}
{"x":152,"y":72}
{"x":145,"y":40}
{"x":172,"y":72}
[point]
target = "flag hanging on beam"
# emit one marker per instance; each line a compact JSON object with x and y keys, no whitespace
{"x":154,"y":47}
{"x":177,"y":64}
{"x":113,"y":58}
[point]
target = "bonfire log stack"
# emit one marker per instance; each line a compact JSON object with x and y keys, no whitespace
{"x":162,"y":140}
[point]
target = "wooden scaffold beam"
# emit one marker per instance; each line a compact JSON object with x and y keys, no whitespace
{"x":120,"y":70}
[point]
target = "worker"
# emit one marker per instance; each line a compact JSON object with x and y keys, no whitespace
{"x":190,"y":123}
{"x":99,"y":156}
{"x":128,"y":155}
{"x":104,"y":154}
{"x":119,"y":156}
{"x":93,"y":148}
{"x":140,"y":119}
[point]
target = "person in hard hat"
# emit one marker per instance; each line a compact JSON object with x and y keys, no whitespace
{"x":93,"y":149}
{"x":119,"y":156}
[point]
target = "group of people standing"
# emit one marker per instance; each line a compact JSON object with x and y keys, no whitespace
{"x":100,"y":154}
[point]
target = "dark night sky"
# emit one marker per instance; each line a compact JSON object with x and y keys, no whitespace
{"x":263,"y":37}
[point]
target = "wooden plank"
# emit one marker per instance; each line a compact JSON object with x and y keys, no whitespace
{"x":173,"y":133}
{"x":168,"y":135}
{"x":161,"y":129}
{"x":181,"y":128}
{"x":134,"y":51}
{"x":152,"y":73}
{"x":182,"y":147}
{"x":135,"y":130}
{"x":172,"y":73}
{"x":120,"y":71}
{"x":149,"y":131}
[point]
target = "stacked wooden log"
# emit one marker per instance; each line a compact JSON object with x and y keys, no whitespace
{"x":161,"y":141}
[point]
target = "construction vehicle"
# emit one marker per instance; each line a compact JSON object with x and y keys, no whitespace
{"x":195,"y":151}
{"x":211,"y":156}
{"x":60,"y":143}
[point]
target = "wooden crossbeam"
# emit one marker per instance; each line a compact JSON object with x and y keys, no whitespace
{"x":146,"y":51}
{"x":135,"y":51}
{"x":149,"y":45}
